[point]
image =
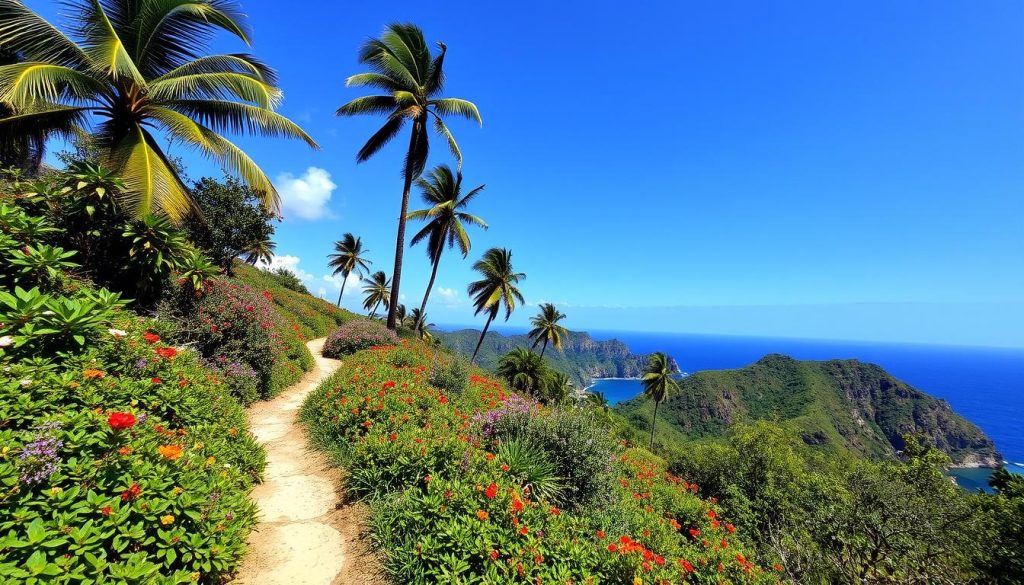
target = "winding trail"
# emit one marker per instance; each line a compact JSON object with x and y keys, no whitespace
{"x":307,"y":534}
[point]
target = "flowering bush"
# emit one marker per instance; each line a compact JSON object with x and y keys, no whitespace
{"x":231,"y":323}
{"x":314,"y":317}
{"x":127,"y":462}
{"x":451,"y":502}
{"x":358,"y":335}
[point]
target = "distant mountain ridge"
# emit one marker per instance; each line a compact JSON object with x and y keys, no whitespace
{"x":582,"y":357}
{"x":834,"y":404}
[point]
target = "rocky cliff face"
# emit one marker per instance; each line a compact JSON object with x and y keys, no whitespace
{"x":582,"y":357}
{"x":836,"y":404}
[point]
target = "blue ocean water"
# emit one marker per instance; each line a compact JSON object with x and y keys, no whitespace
{"x":985,"y":385}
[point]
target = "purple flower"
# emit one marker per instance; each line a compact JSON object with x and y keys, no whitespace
{"x":40,"y":458}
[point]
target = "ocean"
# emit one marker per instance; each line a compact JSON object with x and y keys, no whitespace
{"x":985,"y":385}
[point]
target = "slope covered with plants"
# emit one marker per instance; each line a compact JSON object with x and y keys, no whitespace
{"x":470,"y":482}
{"x":835,"y":405}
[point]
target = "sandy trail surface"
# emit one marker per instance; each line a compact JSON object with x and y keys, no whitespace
{"x":308,"y":533}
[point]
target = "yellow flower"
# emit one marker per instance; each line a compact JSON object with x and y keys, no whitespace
{"x":177,"y":490}
{"x":55,"y":490}
{"x":638,"y":581}
{"x":211,"y":460}
{"x":168,"y":519}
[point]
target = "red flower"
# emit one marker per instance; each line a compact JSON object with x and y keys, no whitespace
{"x":121,"y":420}
{"x":686,"y":565}
{"x":694,"y":532}
{"x":106,"y":510}
{"x":166,"y":352}
{"x":131,"y":493}
{"x":778,"y":568}
{"x":612,"y":547}
{"x":524,"y":530}
{"x":388,"y":385}
{"x":151,"y":337}
{"x":492,"y":490}
{"x":494,"y":555}
{"x":600,"y":534}
{"x":517,"y":505}
{"x":156,"y":380}
{"x":555,"y":511}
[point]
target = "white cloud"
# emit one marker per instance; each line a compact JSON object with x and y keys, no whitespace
{"x":289,"y":262}
{"x":449,"y":296}
{"x":306,"y":196}
{"x":334,"y":280}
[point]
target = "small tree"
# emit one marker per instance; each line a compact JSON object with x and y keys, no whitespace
{"x":233,"y":220}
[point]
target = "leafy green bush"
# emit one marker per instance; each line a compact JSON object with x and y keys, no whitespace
{"x":128,"y":462}
{"x":358,"y":335}
{"x":450,"y":375}
{"x":449,"y":509}
{"x":233,"y":324}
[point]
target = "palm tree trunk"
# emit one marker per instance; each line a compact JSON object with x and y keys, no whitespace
{"x":654,"y":420}
{"x":430,"y":283}
{"x":396,"y":278}
{"x":374,"y":312}
{"x":481,"y":341}
{"x":544,"y":347}
{"x":343,"y":283}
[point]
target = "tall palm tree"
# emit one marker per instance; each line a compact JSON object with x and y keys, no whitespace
{"x":658,"y":383}
{"x":400,"y":64}
{"x":442,"y":190}
{"x":377,"y":289}
{"x":524,"y":371}
{"x":262,"y":250}
{"x":138,"y":66}
{"x":496,"y":288}
{"x":348,"y":257}
{"x":546,"y":328}
{"x":598,"y":400}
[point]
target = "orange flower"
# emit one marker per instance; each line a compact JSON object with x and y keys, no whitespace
{"x":166,"y":352}
{"x":492,"y":491}
{"x":90,"y":373}
{"x":171,"y":452}
{"x":151,"y":337}
{"x":524,"y":530}
{"x":483,"y":516}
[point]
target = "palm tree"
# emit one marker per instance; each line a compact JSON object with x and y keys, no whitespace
{"x":419,"y":323}
{"x":442,"y":190}
{"x":546,"y":328}
{"x":524,"y":371}
{"x":496,"y":288}
{"x":401,"y":312}
{"x":558,"y":387}
{"x":658,"y":383}
{"x":348,"y":257}
{"x":598,"y":400}
{"x":401,"y":65}
{"x":377,"y":289}
{"x":136,"y":67}
{"x":260,"y":251}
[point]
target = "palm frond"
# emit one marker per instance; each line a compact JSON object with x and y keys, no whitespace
{"x":217,"y":86}
{"x":106,"y":50}
{"x":231,"y":63}
{"x":380,"y":138}
{"x":31,"y":36}
{"x":24,"y":84}
{"x":228,"y":116}
{"x":166,"y":32}
{"x":457,"y":107}
{"x":373,"y":104}
{"x":148,"y":174}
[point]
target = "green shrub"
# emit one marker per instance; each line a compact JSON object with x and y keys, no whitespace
{"x":356,"y":336}
{"x":128,"y":462}
{"x":450,"y":375}
{"x":231,"y":323}
{"x":312,"y":317}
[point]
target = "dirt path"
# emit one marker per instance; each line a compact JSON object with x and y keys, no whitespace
{"x":308,"y":534}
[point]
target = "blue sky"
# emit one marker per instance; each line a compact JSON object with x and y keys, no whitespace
{"x":844,"y":170}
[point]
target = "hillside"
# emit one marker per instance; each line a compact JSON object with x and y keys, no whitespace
{"x":582,"y":357}
{"x":832,"y":405}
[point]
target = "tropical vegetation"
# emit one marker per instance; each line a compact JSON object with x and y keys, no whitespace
{"x":496,"y":288}
{"x":349,"y":258}
{"x":402,"y":65}
{"x":134,"y":67}
{"x":546,"y":328}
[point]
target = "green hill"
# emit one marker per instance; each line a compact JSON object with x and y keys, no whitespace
{"x":831,"y":405}
{"x":582,"y":357}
